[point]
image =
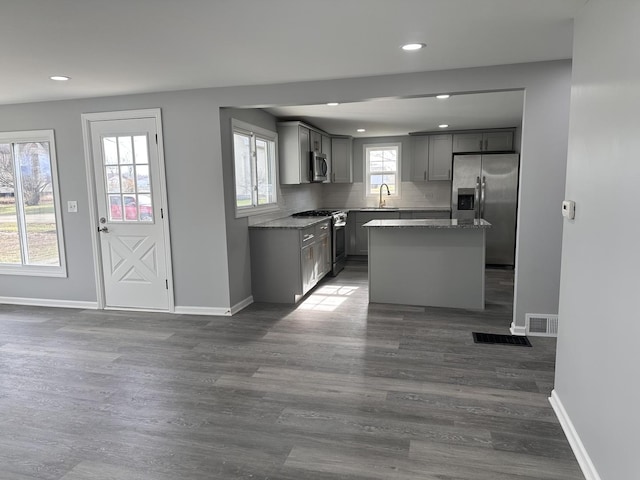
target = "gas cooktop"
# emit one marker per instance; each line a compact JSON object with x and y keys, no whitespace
{"x":316,"y":213}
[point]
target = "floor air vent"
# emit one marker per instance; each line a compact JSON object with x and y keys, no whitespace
{"x":541,"y":325}
{"x":495,"y":339}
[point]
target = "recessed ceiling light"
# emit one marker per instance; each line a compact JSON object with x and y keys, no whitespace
{"x":59,"y":78}
{"x":443,"y":125}
{"x":444,"y":96}
{"x":413,"y":46}
{"x":333,"y":104}
{"x":361,"y":130}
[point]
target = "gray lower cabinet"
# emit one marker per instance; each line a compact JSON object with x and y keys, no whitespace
{"x":358,"y":238}
{"x":286,"y":263}
{"x":425,"y":215}
{"x":361,"y":234}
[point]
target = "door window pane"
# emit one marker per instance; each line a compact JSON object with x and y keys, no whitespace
{"x":127,"y":180}
{"x":115,"y":207}
{"x":130,"y":207}
{"x":110,"y":150}
{"x":142,"y":179}
{"x":140,"y":149}
{"x":125,"y":151}
{"x":144,"y":208}
{"x":113,"y":179}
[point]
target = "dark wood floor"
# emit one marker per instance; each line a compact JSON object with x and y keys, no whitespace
{"x":332,"y":389}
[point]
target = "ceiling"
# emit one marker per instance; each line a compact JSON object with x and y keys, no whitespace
{"x":389,"y":117}
{"x":132,"y":46}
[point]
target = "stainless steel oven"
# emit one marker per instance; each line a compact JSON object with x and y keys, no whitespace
{"x":339,"y":242}
{"x":338,"y":235}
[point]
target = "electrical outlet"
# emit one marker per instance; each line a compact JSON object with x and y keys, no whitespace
{"x":72,"y":206}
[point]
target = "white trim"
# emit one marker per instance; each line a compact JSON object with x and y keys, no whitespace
{"x":518,"y":330}
{"x":208,"y":311}
{"x":48,"y":302}
{"x":60,"y":270}
{"x":269,"y":135}
{"x":241,"y":304}
{"x":579,"y":450}
{"x":398,"y":173}
{"x":86,"y":119}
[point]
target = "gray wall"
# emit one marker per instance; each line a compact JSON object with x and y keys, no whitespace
{"x":197,"y":199}
{"x":598,"y":355}
{"x":194,"y":184}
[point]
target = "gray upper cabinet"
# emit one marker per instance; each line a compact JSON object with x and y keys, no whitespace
{"x":431,"y":160}
{"x":490,"y":141}
{"x":326,"y":149}
{"x":467,"y":142}
{"x":315,"y":144}
{"x":294,"y":152}
{"x":341,"y":160}
{"x":440,"y":157}
{"x":498,"y":141}
{"x":420,"y":158}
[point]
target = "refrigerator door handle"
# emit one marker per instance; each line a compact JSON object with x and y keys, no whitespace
{"x":477,"y":198}
{"x":482,"y":195}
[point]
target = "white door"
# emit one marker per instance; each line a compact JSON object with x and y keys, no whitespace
{"x":130,"y":213}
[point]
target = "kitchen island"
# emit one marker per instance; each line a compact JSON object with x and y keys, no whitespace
{"x":436,"y":263}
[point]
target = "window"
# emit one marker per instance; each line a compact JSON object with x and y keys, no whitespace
{"x":31,"y":240}
{"x":382,"y":165}
{"x":254,"y":153}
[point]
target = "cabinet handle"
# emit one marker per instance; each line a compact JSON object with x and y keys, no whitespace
{"x":480,"y":144}
{"x":425,"y":175}
{"x":486,"y":144}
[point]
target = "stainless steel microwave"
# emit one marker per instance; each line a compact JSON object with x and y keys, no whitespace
{"x":318,"y":170}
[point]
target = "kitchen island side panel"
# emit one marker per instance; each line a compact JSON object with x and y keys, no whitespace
{"x":427,"y":267}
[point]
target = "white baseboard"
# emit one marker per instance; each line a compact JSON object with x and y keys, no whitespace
{"x":241,"y":304}
{"x":49,"y":302}
{"x":214,"y":311}
{"x":187,"y":310}
{"x":518,"y":330}
{"x":588,"y":469}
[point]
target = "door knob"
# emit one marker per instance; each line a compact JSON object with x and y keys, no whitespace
{"x":103,"y":229}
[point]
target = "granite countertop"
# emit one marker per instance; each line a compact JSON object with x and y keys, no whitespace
{"x":295,"y":223}
{"x":417,"y":223}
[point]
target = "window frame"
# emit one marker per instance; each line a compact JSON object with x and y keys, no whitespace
{"x":40,"y":270}
{"x":238,"y":126}
{"x":367,"y":171}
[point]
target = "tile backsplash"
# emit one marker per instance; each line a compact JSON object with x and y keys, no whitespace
{"x":422,"y":194}
{"x":296,"y":198}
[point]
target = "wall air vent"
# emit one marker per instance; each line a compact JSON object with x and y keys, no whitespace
{"x":541,"y":325}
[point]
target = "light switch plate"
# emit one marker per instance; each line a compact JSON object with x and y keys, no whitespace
{"x":569,"y":209}
{"x":72,"y":206}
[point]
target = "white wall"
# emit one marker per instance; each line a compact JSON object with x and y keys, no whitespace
{"x":197,"y":200}
{"x":597,"y":378}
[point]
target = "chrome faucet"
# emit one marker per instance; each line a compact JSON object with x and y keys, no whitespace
{"x":382,"y":203}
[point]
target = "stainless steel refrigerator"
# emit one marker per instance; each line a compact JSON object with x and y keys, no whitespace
{"x":486,"y":186}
